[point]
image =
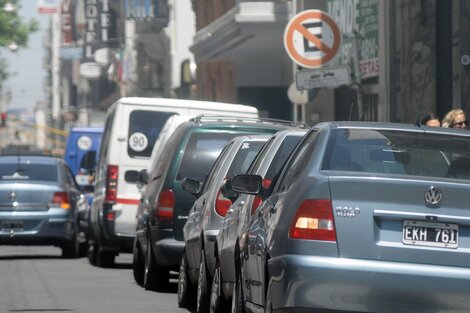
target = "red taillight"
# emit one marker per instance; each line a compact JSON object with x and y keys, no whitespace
{"x":256,"y":203}
{"x":222,"y":204}
{"x":111,"y":183}
{"x":111,"y":216}
{"x":314,"y":221}
{"x":266,"y":183}
{"x":61,"y":199}
{"x":166,"y":205}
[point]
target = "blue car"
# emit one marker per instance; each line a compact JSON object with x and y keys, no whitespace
{"x":364,"y":217}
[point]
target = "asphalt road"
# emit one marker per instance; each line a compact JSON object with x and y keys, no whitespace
{"x":37,"y":279}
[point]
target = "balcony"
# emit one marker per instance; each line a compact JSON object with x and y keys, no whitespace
{"x":250,"y":35}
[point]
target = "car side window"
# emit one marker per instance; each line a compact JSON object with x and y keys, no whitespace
{"x":69,"y":176}
{"x":260,"y":157}
{"x":296,"y":165}
{"x":215,"y":168}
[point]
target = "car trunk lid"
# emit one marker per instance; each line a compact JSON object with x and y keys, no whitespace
{"x":386,"y":218}
{"x":30,"y":196}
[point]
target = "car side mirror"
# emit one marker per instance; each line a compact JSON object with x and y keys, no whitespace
{"x":192,"y":186}
{"x":247,"y":184}
{"x":142,"y":178}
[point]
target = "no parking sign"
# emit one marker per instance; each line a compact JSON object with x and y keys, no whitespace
{"x":312,"y":38}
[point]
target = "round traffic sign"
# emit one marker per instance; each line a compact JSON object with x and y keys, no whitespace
{"x":312,"y":38}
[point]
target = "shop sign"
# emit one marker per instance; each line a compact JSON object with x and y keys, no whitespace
{"x":98,"y":23}
{"x":48,"y":6}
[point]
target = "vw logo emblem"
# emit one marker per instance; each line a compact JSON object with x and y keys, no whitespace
{"x":12,"y":196}
{"x":433,"y":195}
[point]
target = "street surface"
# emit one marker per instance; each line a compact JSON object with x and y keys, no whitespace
{"x":37,"y":279}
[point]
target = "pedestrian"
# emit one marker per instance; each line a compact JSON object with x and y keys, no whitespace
{"x":456,"y":118}
{"x":431,"y":120}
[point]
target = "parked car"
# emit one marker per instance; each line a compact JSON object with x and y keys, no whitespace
{"x":205,"y":217}
{"x":190,"y":152}
{"x":268,"y":165}
{"x":369,"y":217}
{"x":132,"y":125}
{"x":39,"y":203}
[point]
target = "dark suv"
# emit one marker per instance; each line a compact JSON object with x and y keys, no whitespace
{"x":190,"y":152}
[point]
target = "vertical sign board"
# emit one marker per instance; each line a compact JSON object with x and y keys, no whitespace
{"x":98,"y":22}
{"x":358,"y":18}
{"x":312,"y":38}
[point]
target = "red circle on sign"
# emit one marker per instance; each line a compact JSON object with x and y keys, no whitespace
{"x":295,"y":25}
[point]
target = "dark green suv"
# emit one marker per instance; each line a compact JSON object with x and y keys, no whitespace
{"x":190,"y":152}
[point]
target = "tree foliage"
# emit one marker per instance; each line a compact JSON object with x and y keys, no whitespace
{"x":13,"y":29}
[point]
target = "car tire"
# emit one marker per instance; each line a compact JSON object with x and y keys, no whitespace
{"x":237,"y":295}
{"x":186,"y":289}
{"x":218,"y":303}
{"x":138,"y":264}
{"x":203,"y":283}
{"x":71,"y":249}
{"x":104,"y":258}
{"x":155,"y":276}
{"x":268,"y":306}
{"x":92,"y":254}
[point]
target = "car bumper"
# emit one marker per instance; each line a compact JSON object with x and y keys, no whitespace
{"x":168,"y":252}
{"x":37,"y":229}
{"x":309,"y":283}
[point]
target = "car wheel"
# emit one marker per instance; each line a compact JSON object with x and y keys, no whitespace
{"x":218,"y":303}
{"x":237,"y":295}
{"x":155,"y":277}
{"x":268,"y":306}
{"x":92,"y":254}
{"x":186,"y":289}
{"x":203,"y":283}
{"x":71,"y":249}
{"x":104,"y":258}
{"x":138,"y":265}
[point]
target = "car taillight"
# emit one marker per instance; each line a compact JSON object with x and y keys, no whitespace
{"x":314,"y":221}
{"x":111,"y":183}
{"x":222,"y":204}
{"x":166,"y":205}
{"x":61,"y":199}
{"x":266,"y":183}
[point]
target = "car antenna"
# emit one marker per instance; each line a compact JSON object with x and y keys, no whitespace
{"x":418,"y":113}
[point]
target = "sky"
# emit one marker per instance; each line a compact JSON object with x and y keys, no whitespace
{"x":26,"y":65}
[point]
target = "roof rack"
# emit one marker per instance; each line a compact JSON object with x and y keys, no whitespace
{"x":256,"y":120}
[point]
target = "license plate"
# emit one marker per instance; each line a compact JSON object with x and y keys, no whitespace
{"x":430,"y":234}
{"x":12,"y":226}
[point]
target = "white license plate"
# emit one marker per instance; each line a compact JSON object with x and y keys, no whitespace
{"x":12,"y":226}
{"x":430,"y":234}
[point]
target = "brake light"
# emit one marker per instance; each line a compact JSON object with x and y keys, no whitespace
{"x":314,"y":221}
{"x":266,"y":183}
{"x":222,"y":204}
{"x":166,"y":205}
{"x":61,"y":199}
{"x":111,"y":183}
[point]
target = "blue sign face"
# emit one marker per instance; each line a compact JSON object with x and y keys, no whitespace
{"x":71,"y":53}
{"x":146,"y":8}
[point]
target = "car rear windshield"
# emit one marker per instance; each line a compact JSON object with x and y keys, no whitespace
{"x":28,"y":171}
{"x":398,"y":152}
{"x":144,"y":128}
{"x":201,"y":152}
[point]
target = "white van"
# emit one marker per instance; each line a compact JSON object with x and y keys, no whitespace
{"x":131,"y":128}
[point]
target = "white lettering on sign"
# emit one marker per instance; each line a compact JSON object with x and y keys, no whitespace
{"x":138,"y":141}
{"x":98,"y":22}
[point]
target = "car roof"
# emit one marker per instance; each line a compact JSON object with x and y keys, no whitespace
{"x":392,"y":126}
{"x":209,"y":120}
{"x":33,"y":158}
